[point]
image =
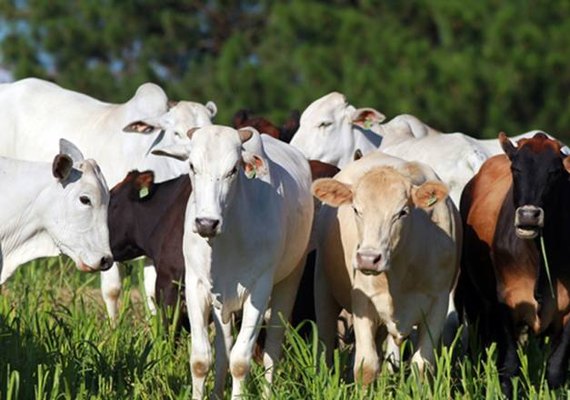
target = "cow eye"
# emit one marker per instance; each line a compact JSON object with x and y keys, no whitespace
{"x":324,"y":124}
{"x":356,"y":212}
{"x":85,"y":200}
{"x":192,"y":168}
{"x":232,"y":172}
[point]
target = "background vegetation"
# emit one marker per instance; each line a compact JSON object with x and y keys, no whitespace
{"x":476,"y":67}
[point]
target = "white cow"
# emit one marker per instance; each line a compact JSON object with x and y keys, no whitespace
{"x":36,"y":113}
{"x":390,"y":255}
{"x":48,"y":208}
{"x":331,"y":130}
{"x":248,"y":223}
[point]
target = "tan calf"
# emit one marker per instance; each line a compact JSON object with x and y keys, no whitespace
{"x":389,"y":254}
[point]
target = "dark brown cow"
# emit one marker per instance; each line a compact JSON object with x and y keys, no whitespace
{"x":507,"y":208}
{"x":147,"y":218}
{"x":242,"y":118}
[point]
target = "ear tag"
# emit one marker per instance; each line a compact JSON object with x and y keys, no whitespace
{"x":368,"y":123}
{"x":143,"y":192}
{"x":250,"y":172}
{"x":432,"y":200}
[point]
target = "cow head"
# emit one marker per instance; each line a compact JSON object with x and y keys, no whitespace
{"x":218,"y":158}
{"x":539,"y":170}
{"x":176,"y":121}
{"x":384,"y":204}
{"x":75,"y":212}
{"x":326,"y":129}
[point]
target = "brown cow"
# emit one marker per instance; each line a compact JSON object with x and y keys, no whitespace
{"x":513,"y":203}
{"x":242,"y":118}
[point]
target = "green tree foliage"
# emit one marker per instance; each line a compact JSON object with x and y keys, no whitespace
{"x":476,"y":67}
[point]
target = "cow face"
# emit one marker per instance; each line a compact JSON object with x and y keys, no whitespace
{"x":326,"y":128}
{"x":538,"y":170}
{"x":384,"y":204}
{"x":75,"y":212}
{"x":217,"y":158}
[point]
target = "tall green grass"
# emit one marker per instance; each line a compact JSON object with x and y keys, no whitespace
{"x":56,"y":343}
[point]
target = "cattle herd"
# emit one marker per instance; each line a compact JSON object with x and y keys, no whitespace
{"x":408,"y":229}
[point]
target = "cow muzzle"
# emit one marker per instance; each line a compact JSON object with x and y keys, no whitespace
{"x":529,"y":220}
{"x":369,"y":262}
{"x":207,"y":227}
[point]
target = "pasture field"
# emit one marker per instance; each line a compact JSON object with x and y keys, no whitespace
{"x":56,"y":343}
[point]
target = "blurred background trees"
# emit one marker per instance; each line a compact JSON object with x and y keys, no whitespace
{"x":477,"y":67}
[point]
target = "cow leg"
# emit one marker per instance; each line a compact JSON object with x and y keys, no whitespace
{"x":110,"y":290}
{"x":558,"y":360}
{"x":281,"y":304}
{"x":392,"y":354}
{"x":327,"y":311}
{"x":507,"y":361}
{"x":253,"y":310}
{"x":198,"y":305}
{"x":149,"y":274}
{"x":366,"y":359}
{"x":223,"y":343}
{"x":429,"y":332}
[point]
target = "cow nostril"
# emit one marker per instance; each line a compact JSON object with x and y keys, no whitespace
{"x":106,"y":263}
{"x":215,"y":223}
{"x":377,"y":258}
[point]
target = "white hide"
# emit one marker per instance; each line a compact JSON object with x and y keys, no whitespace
{"x":253,"y":258}
{"x":42,"y":215}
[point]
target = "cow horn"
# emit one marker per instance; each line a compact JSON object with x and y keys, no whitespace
{"x":171,"y":103}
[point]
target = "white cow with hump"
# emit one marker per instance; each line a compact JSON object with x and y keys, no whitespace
{"x":48,"y":208}
{"x":36,"y":113}
{"x":389,"y":254}
{"x":247,"y":228}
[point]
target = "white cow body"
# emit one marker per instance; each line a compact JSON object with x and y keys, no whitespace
{"x":244,"y":244}
{"x":410,"y":260}
{"x":42,"y":215}
{"x":36,"y":113}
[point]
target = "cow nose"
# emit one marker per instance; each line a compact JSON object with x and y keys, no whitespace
{"x":368,"y":261}
{"x":530,"y":216}
{"x":206,"y":227}
{"x":106,"y":263}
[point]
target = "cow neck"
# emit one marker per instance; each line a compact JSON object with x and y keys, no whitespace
{"x":23,"y":236}
{"x":172,"y":195}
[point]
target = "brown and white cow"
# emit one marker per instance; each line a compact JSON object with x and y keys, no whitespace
{"x":513,"y":203}
{"x":389,"y":255}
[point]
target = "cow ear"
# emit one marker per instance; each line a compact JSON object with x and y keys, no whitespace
{"x":367,"y":117}
{"x":62,"y":166}
{"x":508,"y":146}
{"x":253,"y":165}
{"x":566,"y":163}
{"x":429,"y":194}
{"x":143,"y":184}
{"x":179,"y":151}
{"x":139,"y":127}
{"x":357,"y":155}
{"x":71,"y":150}
{"x":212,"y":108}
{"x":332,"y":192}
